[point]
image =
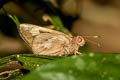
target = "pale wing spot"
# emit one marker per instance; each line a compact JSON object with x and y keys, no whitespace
{"x":35,"y":31}
{"x":25,"y":27}
{"x":47,"y":45}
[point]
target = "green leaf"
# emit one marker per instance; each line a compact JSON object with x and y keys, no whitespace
{"x":82,"y":67}
{"x":32,"y":61}
{"x":28,"y":61}
{"x":56,"y":21}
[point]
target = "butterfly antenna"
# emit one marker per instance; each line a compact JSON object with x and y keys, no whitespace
{"x":91,"y":36}
{"x":93,"y":42}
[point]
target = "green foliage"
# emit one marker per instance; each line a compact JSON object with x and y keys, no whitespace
{"x":56,"y":21}
{"x":88,"y":66}
{"x":15,"y":19}
{"x":84,"y":67}
{"x":28,"y":61}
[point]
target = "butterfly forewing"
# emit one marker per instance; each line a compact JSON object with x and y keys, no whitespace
{"x":44,"y":41}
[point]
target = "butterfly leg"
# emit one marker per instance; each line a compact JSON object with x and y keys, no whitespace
{"x":76,"y":52}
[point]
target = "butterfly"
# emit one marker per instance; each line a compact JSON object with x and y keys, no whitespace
{"x":45,"y":41}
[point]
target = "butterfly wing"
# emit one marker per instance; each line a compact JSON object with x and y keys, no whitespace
{"x":43,"y":40}
{"x":49,"y":43}
{"x":25,"y":33}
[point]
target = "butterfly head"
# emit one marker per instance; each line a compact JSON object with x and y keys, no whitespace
{"x":80,"y":40}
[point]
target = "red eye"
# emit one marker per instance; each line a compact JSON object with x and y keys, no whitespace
{"x":79,"y":39}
